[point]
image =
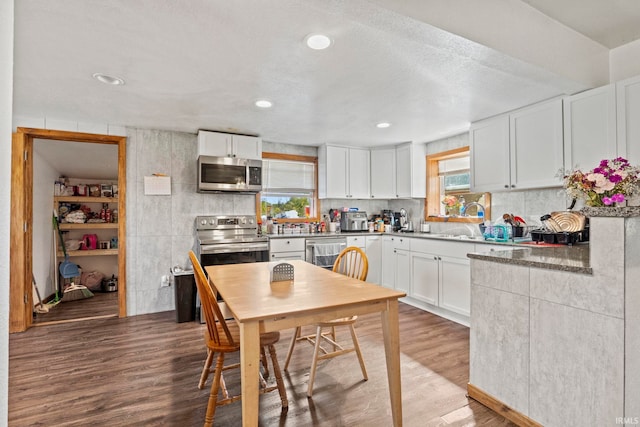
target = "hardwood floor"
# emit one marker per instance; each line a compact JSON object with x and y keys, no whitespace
{"x":101,"y":304}
{"x":144,"y":370}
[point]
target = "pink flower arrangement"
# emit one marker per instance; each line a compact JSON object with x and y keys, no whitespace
{"x":613,"y":181}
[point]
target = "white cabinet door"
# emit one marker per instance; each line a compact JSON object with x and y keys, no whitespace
{"x":489,"y":146}
{"x":383,"y":173}
{"x":337,"y":168}
{"x":455,"y":284}
{"x":590,"y":128}
{"x":358,"y":171}
{"x":374,"y":256}
{"x":246,"y":147}
{"x":403,"y":270}
{"x":424,"y":277}
{"x":403,"y":171}
{"x":214,"y":144}
{"x":411,"y":170}
{"x":229,"y":145}
{"x":628,"y":112}
{"x":388,"y":263}
{"x":536,"y":146}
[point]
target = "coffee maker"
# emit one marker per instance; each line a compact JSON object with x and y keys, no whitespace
{"x":396,"y":221}
{"x":405,"y":224}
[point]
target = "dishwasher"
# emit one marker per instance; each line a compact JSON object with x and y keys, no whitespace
{"x":323,"y":251}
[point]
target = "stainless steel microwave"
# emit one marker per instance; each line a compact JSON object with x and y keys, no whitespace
{"x":216,"y":174}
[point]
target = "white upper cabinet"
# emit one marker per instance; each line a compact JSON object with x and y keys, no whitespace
{"x":518,"y":151}
{"x":411,"y":170}
{"x":536,"y":145}
{"x":343,"y":172}
{"x":590,"y":128}
{"x":359,"y":173}
{"x":489,"y":145}
{"x":229,"y":145}
{"x":628,"y":118}
{"x":383,"y":173}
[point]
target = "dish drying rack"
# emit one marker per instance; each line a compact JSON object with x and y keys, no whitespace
{"x":505,"y":233}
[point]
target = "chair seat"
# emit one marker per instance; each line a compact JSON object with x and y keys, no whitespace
{"x":266,"y":339}
{"x":338,"y":322}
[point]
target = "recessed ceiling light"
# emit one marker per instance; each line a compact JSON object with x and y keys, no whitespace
{"x":110,"y":80}
{"x":317,"y":41}
{"x":383,"y":125}
{"x":263,"y":103}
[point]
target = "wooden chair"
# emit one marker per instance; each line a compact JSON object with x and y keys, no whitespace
{"x":223,"y":338}
{"x":352,"y":262}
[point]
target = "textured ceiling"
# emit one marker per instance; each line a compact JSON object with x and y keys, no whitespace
{"x":609,"y":22}
{"x":201,"y":64}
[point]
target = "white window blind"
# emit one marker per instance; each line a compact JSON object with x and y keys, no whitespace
{"x":287,"y":176}
{"x":457,"y":165}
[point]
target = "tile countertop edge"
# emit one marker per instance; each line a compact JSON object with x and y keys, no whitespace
{"x":502,"y":258}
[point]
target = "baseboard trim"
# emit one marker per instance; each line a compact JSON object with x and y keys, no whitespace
{"x":497,"y":406}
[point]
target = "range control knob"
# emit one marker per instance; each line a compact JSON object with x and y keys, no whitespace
{"x":203,"y":222}
{"x":243,"y":220}
{"x":251,"y":221}
{"x":212,"y":221}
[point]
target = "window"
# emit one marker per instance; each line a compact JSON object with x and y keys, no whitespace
{"x":448,"y":185}
{"x":289,"y":188}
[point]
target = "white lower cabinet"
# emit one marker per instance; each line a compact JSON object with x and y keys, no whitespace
{"x":439,"y":278}
{"x":372,"y":247}
{"x":287,"y":249}
{"x":403,"y":270}
{"x":396,"y":262}
{"x":455,"y":284}
{"x":424,"y":270}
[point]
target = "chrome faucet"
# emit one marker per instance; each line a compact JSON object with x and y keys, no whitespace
{"x":480,"y":209}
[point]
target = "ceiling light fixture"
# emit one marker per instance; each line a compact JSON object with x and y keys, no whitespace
{"x":383,"y":125}
{"x":263,"y":103}
{"x":109,"y":80}
{"x":317,"y":41}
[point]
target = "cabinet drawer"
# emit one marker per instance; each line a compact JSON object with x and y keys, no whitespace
{"x":358,"y":241}
{"x":286,"y":244}
{"x":401,"y":242}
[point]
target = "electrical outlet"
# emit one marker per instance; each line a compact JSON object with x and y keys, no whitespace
{"x":164,"y":281}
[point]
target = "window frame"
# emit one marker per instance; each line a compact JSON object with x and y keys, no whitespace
{"x":433,"y":189}
{"x":294,"y":158}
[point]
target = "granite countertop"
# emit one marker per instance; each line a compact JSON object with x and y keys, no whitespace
{"x":574,"y":259}
{"x":564,"y":258}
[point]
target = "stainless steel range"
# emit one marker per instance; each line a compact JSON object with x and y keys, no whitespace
{"x":227,"y":239}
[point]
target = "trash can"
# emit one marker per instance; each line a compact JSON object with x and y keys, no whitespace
{"x":185,"y":293}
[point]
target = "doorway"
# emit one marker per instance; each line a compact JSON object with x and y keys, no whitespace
{"x":32,"y":249}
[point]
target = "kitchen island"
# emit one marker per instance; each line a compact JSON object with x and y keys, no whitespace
{"x":554,"y":336}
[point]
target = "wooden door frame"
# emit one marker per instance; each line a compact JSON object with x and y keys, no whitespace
{"x":21,"y":222}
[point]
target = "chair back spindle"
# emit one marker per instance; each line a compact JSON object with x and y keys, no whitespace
{"x":352,"y":262}
{"x":209,"y":304}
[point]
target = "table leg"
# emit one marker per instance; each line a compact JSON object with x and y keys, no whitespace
{"x":250,"y":371}
{"x":391,"y":331}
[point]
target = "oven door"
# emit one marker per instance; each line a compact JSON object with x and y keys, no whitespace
{"x":231,"y":253}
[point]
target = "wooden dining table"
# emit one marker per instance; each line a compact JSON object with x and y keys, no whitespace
{"x":314,"y":295}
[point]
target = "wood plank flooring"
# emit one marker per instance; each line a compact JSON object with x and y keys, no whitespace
{"x":144,"y":370}
{"x":101,"y":304}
